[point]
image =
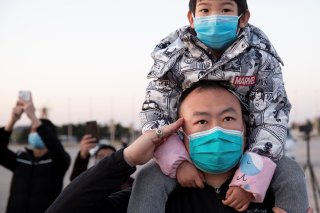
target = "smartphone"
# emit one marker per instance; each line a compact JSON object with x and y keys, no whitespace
{"x":24,"y":95}
{"x":93,"y":129}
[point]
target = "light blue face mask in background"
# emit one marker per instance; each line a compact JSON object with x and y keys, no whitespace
{"x":217,"y":31}
{"x":216,"y":150}
{"x":35,"y":141}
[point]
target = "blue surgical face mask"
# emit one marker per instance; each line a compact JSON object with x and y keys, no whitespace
{"x":217,"y":31}
{"x":216,"y":150}
{"x":35,"y":141}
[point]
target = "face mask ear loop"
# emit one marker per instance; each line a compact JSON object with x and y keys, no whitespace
{"x":239,"y":29}
{"x":193,"y":17}
{"x":182,"y":134}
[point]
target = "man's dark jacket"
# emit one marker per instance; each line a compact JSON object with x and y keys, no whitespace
{"x":92,"y":192}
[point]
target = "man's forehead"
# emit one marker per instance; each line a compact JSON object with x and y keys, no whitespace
{"x":201,"y":101}
{"x":220,"y":111}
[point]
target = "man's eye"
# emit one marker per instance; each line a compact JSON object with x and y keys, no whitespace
{"x":202,"y":122}
{"x":228,"y":119}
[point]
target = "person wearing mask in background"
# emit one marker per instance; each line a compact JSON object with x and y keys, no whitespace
{"x":39,"y":170}
{"x":86,"y":144}
{"x":100,"y":151}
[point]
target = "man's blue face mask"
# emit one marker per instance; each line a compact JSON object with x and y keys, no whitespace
{"x":217,"y":31}
{"x":35,"y":141}
{"x":216,"y":150}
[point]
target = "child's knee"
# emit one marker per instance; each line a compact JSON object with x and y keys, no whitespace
{"x":152,"y":175}
{"x":150,"y":171}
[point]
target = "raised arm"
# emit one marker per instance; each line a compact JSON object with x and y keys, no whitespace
{"x":7,"y":157}
{"x":92,"y":191}
{"x":81,"y":163}
{"x":60,"y":158}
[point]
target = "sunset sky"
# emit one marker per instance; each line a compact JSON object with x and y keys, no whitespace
{"x":88,"y":59}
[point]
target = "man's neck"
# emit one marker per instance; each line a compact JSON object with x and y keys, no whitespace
{"x":216,"y":180}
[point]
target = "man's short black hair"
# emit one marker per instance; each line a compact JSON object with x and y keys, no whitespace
{"x":203,"y":84}
{"x":105,"y":146}
{"x":242,"y":6}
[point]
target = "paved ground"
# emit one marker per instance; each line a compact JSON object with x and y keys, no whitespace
{"x":300,"y":152}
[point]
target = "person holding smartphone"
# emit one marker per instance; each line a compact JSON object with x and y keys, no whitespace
{"x":39,"y":170}
{"x":90,"y":147}
{"x":87,"y":143}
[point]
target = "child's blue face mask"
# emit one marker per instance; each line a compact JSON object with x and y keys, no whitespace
{"x":35,"y":141}
{"x":216,"y":150}
{"x":217,"y":31}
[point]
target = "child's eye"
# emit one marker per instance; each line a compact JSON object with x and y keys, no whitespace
{"x":229,"y":119}
{"x":226,"y":11}
{"x":203,"y":10}
{"x":202,"y":122}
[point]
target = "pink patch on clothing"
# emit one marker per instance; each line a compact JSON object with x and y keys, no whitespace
{"x":254,"y":175}
{"x":170,"y":155}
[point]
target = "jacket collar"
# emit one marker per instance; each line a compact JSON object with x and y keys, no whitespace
{"x":183,"y":42}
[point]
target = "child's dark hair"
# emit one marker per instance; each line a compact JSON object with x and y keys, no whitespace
{"x":242,"y":6}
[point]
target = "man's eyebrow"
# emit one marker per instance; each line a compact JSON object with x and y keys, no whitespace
{"x":228,"y":110}
{"x":199,"y":113}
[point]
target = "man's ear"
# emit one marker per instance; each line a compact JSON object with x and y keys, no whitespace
{"x":190,"y":18}
{"x":244,"y":20}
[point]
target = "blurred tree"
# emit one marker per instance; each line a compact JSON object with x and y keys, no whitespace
{"x":121,"y":132}
{"x":20,"y":135}
{"x":104,"y":131}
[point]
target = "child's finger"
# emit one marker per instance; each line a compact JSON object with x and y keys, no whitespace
{"x":234,"y":204}
{"x":229,"y":192}
{"x":188,"y":184}
{"x":243,"y":208}
{"x":199,"y":182}
{"x":194,"y":184}
{"x":168,"y":130}
{"x":228,"y":201}
{"x":201,"y":175}
{"x":183,"y":184}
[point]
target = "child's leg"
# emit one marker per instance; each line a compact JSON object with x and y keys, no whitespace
{"x":150,"y":190}
{"x":289,"y":186}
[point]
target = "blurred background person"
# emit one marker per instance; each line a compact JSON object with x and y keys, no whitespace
{"x":89,"y":147}
{"x":290,"y":147}
{"x":39,"y":170}
{"x":88,"y":143}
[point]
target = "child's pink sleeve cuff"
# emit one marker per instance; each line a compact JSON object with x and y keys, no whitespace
{"x":254,"y":175}
{"x":170,"y":155}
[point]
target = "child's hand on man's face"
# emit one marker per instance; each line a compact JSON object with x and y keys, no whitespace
{"x":238,"y":198}
{"x":189,"y":176}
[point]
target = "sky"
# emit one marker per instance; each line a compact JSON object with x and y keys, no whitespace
{"x":88,"y":59}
